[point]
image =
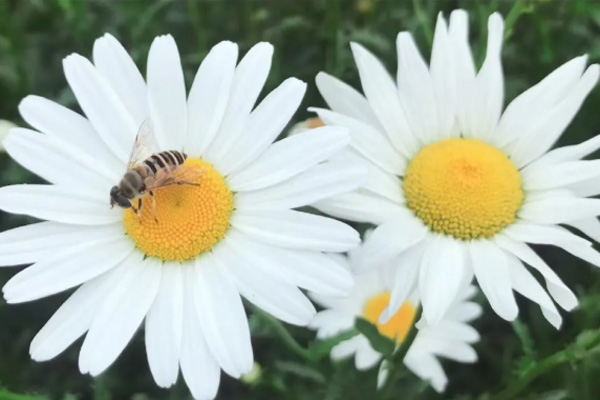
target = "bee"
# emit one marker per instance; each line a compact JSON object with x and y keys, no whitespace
{"x":148,"y":171}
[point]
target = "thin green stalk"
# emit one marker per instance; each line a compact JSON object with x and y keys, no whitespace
{"x":284,"y":335}
{"x":518,"y":9}
{"x":424,"y":20}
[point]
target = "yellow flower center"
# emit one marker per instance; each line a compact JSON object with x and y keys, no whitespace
{"x":189,"y":219}
{"x":398,"y":326}
{"x":464,"y":188}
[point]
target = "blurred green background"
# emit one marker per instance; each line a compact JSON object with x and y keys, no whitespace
{"x":525,"y":360}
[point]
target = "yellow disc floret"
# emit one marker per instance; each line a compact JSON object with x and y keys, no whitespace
{"x":464,"y":188}
{"x":189,"y":219}
{"x":398,"y":326}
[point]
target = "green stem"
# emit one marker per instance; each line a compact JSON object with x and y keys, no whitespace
{"x":424,"y":20}
{"x":518,"y":9}
{"x":4,"y":395}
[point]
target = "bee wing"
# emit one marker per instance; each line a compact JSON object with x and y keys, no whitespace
{"x":181,"y":176}
{"x":145,"y":144}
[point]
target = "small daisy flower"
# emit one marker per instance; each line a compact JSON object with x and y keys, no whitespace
{"x":458,"y":187}
{"x":451,"y":338}
{"x":182,"y":266}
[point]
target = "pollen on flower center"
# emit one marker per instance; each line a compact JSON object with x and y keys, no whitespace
{"x":189,"y":219}
{"x":464,"y":188}
{"x":398,"y":326}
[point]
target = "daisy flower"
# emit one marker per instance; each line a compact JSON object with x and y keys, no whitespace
{"x":451,"y":338}
{"x":459,"y":188}
{"x":233,"y":233}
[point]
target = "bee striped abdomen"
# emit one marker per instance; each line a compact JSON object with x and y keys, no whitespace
{"x":168,"y":160}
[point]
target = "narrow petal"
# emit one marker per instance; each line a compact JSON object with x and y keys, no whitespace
{"x":70,"y":129}
{"x":384,"y":99}
{"x":559,"y":209}
{"x":209,"y":95}
{"x":296,"y":230}
{"x":390,"y":239}
{"x":523,"y":282}
{"x":558,"y":290}
{"x":57,"y":163}
{"x":547,"y":129}
{"x":121,"y":313}
{"x":222,"y":316}
{"x":465,"y":312}
{"x":198,"y":366}
{"x":590,"y":227}
{"x":101,"y":105}
{"x":367,"y":141}
{"x":113,"y":61}
{"x":568,"y":153}
{"x":289,"y":157}
{"x":345,"y":348}
{"x":321,"y":182}
{"x":440,"y":276}
{"x":491,"y":271}
{"x":58,"y":203}
{"x":452,"y":331}
{"x":71,"y":320}
{"x":264,"y":125}
{"x":416,"y":89}
{"x":164,"y":327}
{"x":488,"y":94}
{"x":274,"y":295}
{"x":166,"y":93}
{"x":456,"y":351}
{"x":359,"y":207}
{"x":307,"y":269}
{"x":405,"y":280}
{"x":527,"y":108}
{"x":427,"y":367}
{"x":35,"y":242}
{"x":67,"y":269}
{"x":248,"y":81}
{"x":542,"y":177}
{"x":366,"y":357}
{"x":343,"y":99}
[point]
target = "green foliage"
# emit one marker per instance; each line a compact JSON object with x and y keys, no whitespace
{"x":530,"y":360}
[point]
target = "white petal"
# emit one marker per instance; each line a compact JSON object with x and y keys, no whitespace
{"x":56,"y":163}
{"x":71,"y":320}
{"x":121,"y":313}
{"x":568,"y":153}
{"x":70,"y":129}
{"x":164,"y":327}
{"x":35,"y":242}
{"x":198,"y":366}
{"x":426,"y":367}
{"x":464,"y":68}
{"x":548,"y":128}
{"x":264,"y":125}
{"x":451,"y":331}
{"x":309,"y":270}
{"x":113,"y":61}
{"x":388,"y":240}
{"x":523,"y":282}
{"x":250,"y":76}
{"x":559,"y":209}
{"x":590,"y":226}
{"x":222,"y":316}
{"x":166,"y":93}
{"x":587,"y":188}
{"x":366,"y":357}
{"x":360,"y":207}
{"x":58,"y":203}
{"x":558,"y":290}
{"x":288,"y":157}
{"x":491,"y":271}
{"x":465,"y":312}
{"x":416,"y":89}
{"x":321,"y":182}
{"x":488,"y":94}
{"x":368,"y":141}
{"x":455,"y":351}
{"x":345,"y":348}
{"x":101,"y":105}
{"x":209,"y":95}
{"x":343,"y":99}
{"x":440,"y":276}
{"x":539,"y":177}
{"x":384,"y":99}
{"x":274,"y":295}
{"x":405,"y":280}
{"x":296,"y":230}
{"x":67,"y":269}
{"x":442,"y":78}
{"x":527,"y":108}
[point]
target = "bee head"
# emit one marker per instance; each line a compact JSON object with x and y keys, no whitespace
{"x":117,"y":197}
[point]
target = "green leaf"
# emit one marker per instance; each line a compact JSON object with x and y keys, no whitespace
{"x":380,"y":343}
{"x":300,"y":370}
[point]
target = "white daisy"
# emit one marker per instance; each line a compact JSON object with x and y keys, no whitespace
{"x":235,"y":233}
{"x":456,"y":186}
{"x":450,"y":338}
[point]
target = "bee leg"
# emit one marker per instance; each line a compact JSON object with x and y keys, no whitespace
{"x":138,"y":211}
{"x":153,"y":206}
{"x":188,"y":183}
